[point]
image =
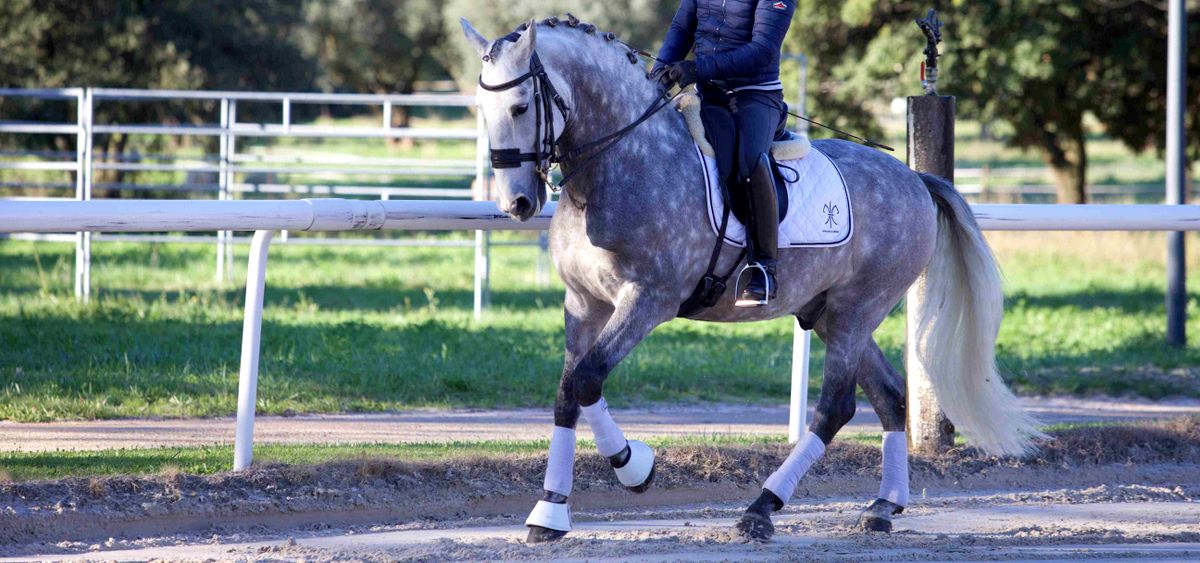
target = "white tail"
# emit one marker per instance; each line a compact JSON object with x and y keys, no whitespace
{"x":957,"y":323}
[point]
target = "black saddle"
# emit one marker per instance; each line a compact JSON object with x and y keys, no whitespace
{"x":721,"y":132}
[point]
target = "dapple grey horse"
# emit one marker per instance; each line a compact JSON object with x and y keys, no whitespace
{"x":630,"y":240}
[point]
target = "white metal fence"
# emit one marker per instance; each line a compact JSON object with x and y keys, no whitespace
{"x":233,"y":174}
{"x":266,"y":217}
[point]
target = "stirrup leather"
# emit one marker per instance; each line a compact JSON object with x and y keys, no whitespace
{"x":766,"y":300}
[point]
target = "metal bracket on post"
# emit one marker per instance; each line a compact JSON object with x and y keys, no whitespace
{"x":256,"y":278}
{"x":931,"y":26}
{"x":930,"y":150}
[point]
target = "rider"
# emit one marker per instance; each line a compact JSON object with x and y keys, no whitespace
{"x":737,"y":46}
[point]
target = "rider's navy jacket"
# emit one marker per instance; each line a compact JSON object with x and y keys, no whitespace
{"x":737,"y":42}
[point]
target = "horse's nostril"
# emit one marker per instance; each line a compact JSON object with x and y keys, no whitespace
{"x":521,"y":205}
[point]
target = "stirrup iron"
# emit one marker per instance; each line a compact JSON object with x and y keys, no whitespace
{"x":745,"y":303}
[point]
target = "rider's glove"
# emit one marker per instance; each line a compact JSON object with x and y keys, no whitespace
{"x":683,"y":73}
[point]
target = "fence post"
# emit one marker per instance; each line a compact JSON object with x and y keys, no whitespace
{"x":83,"y":192}
{"x":80,"y":149}
{"x":483,"y":239}
{"x":930,"y":150}
{"x":798,"y":411}
{"x":230,"y":172}
{"x":222,"y":183}
{"x":1176,"y":171}
{"x":256,"y":280}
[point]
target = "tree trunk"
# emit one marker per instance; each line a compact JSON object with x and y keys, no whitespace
{"x":1067,"y":158}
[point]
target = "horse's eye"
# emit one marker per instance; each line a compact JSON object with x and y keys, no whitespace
{"x":519,"y":109}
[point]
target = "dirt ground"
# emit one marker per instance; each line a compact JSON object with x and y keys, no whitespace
{"x":429,"y":425}
{"x":1117,"y":492}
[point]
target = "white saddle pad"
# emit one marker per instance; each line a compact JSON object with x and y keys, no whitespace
{"x":818,"y":212}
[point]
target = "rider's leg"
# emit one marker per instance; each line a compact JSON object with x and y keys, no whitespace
{"x":757,"y":116}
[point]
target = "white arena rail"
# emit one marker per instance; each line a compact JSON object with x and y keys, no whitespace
{"x":266,"y":217}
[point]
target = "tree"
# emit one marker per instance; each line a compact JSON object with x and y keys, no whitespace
{"x":187,"y":44}
{"x":380,"y":46}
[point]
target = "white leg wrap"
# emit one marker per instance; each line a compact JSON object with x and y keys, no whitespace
{"x":783,"y":481}
{"x":561,"y":463}
{"x":550,"y":515}
{"x":894,"y":486}
{"x":609,"y":439}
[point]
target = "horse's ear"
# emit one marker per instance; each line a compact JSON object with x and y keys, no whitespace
{"x":523,"y":50}
{"x":476,"y":39}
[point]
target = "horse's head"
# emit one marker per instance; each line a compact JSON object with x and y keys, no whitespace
{"x":524,"y":116}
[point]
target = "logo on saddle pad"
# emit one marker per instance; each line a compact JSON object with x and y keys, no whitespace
{"x":831,"y":211}
{"x":779,"y":5}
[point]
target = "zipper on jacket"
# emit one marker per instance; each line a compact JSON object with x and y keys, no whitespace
{"x":724,"y":16}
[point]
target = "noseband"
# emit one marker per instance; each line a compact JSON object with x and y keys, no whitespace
{"x":545,"y":98}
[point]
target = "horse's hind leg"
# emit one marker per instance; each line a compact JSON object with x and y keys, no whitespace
{"x":584,"y":318}
{"x":886,"y":391}
{"x":636,"y":314}
{"x":844,"y":337}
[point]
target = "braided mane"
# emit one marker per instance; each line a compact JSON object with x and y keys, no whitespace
{"x":574,"y":23}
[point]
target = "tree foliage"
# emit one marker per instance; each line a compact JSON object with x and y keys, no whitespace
{"x":1044,"y":67}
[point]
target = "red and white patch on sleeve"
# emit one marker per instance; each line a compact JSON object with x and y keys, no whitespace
{"x":779,"y":5}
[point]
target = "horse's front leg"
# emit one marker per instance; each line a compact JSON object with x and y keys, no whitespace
{"x":634,"y":316}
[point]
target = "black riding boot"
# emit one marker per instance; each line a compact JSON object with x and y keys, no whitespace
{"x":764,"y":237}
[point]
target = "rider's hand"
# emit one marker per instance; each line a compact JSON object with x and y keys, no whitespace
{"x":683,"y":73}
{"x":662,"y":74}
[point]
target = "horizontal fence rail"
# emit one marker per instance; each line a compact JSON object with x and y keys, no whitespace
{"x":331,"y":214}
{"x":326,"y":214}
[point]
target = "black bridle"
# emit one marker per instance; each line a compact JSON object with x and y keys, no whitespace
{"x":545,"y":99}
{"x":546,"y":151}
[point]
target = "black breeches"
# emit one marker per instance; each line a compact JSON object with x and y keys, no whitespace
{"x":760,"y":117}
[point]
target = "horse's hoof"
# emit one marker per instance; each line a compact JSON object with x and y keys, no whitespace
{"x":538,"y":534}
{"x":638,"y":471}
{"x":548,"y":521}
{"x":878,"y":516}
{"x":755,"y":527}
{"x":870,"y":523}
{"x":639,"y":489}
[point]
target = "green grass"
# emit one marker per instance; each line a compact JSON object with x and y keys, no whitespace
{"x":370,"y":329}
{"x":206,"y":460}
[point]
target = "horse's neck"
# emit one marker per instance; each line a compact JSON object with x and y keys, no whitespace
{"x":606,"y":98}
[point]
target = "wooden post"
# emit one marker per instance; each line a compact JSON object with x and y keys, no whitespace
{"x":931,"y":150}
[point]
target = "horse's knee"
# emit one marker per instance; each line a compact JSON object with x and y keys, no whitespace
{"x":587,"y":381}
{"x":831,"y":416}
